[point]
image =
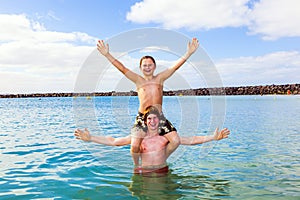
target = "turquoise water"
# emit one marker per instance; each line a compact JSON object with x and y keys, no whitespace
{"x":40,"y":159}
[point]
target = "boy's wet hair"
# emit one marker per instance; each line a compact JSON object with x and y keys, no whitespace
{"x":151,"y":110}
{"x":146,"y":57}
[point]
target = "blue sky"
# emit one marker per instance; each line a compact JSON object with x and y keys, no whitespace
{"x":43,"y":44}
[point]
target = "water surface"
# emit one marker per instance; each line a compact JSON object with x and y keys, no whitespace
{"x":39,"y":157}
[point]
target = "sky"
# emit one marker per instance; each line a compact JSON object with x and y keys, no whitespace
{"x":45,"y":44}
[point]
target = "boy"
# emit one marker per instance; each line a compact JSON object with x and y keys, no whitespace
{"x":150,"y":92}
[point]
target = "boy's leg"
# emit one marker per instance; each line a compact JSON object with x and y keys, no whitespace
{"x":137,"y":136}
{"x":169,"y":131}
{"x":138,"y":132}
{"x":174,"y":142}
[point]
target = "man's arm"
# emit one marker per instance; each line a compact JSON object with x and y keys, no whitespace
{"x":174,"y":142}
{"x":218,"y":135}
{"x":106,"y":140}
{"x":104,"y":50}
{"x":191,"y":48}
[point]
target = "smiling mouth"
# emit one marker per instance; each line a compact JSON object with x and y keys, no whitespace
{"x":153,"y":125}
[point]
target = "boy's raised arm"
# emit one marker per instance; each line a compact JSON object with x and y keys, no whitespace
{"x":191,"y":48}
{"x":104,"y":50}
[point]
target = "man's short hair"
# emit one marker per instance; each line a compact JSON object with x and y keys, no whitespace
{"x":151,"y":110}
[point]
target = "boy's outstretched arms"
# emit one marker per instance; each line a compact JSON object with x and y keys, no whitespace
{"x":218,"y":135}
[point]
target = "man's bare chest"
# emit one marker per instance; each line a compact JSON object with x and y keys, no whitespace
{"x":155,"y":143}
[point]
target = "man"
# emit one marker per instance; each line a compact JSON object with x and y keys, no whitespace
{"x":150,"y":92}
{"x":153,"y":148}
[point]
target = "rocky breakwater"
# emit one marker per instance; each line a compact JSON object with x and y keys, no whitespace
{"x":287,"y":89}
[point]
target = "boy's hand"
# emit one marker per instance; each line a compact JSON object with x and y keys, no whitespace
{"x":83,"y":135}
{"x":192,"y":46}
{"x":103,"y":48}
{"x":222,"y":134}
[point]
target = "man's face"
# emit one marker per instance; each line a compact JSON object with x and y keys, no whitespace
{"x":147,"y":66}
{"x":152,"y":122}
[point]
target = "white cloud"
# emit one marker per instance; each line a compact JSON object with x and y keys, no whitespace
{"x":155,"y":49}
{"x":274,"y":68}
{"x":20,"y":28}
{"x":191,"y":14}
{"x":271,"y":19}
{"x":275,"y":19}
{"x":36,"y":60}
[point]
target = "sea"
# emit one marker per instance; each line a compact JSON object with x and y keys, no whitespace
{"x":40,"y":158}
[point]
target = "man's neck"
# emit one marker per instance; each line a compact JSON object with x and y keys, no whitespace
{"x":152,"y":133}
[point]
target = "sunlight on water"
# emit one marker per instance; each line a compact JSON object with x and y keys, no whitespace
{"x":40,"y":157}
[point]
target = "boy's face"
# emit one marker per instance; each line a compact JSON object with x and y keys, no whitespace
{"x":152,"y":121}
{"x":147,"y":66}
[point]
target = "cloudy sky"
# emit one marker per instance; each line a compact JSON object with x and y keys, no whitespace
{"x":44,"y":44}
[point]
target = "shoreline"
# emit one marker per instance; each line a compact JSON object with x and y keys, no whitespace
{"x":286,"y":89}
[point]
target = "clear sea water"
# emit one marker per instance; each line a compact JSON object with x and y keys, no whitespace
{"x":41,"y":159}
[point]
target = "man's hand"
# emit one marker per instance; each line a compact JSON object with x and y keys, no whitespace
{"x":83,"y":135}
{"x":222,"y":134}
{"x":103,"y":48}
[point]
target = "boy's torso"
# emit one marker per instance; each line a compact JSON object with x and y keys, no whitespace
{"x":150,"y":93}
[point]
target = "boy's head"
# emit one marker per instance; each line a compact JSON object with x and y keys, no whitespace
{"x":147,"y":65}
{"x":147,"y":57}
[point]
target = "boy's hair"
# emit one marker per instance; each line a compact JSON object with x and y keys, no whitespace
{"x":145,"y":57}
{"x":150,"y":110}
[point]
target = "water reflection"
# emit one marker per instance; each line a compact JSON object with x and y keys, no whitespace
{"x":173,"y":186}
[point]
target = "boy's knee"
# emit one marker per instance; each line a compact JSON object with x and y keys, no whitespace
{"x":135,"y":145}
{"x":134,"y":149}
{"x":176,"y":142}
{"x":174,"y":139}
{"x":177,"y":139}
{"x":137,"y":133}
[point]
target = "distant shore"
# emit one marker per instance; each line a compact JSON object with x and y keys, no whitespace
{"x":287,"y":89}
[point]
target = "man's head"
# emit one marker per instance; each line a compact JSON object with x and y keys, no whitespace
{"x":147,"y":65}
{"x":151,"y":117}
